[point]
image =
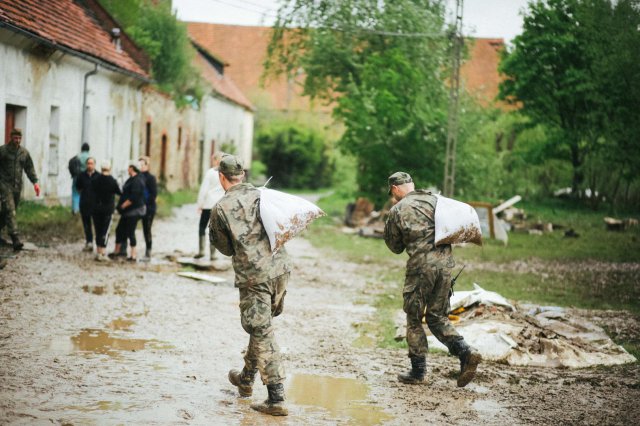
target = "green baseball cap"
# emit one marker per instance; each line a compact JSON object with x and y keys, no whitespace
{"x":398,"y":178}
{"x":230,"y":165}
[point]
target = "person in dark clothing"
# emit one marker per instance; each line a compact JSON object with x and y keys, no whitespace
{"x":131,"y":207}
{"x":105,"y":188}
{"x":150,"y":194}
{"x":87,"y":200}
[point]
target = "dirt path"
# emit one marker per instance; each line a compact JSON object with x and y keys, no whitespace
{"x":86,"y":343}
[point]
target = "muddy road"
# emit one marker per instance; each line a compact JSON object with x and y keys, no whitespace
{"x":122,"y":343}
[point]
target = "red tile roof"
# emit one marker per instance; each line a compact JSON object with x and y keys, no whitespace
{"x":245,"y":48}
{"x":76,"y":26}
{"x":220,"y":82}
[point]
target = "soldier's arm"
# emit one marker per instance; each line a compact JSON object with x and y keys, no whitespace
{"x":219,"y":233}
{"x":30,"y":170}
{"x":392,"y":233}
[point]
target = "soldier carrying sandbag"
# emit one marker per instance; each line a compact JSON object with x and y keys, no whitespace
{"x":411,"y":226}
{"x":236,"y":230}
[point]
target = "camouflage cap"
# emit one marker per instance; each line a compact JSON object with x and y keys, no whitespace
{"x":16,"y":132}
{"x":231,"y":165}
{"x":399,"y":178}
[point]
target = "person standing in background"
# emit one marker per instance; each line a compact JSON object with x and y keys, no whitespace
{"x":150,"y":195}
{"x":14,"y":160}
{"x":210,"y":193}
{"x":77,"y":165}
{"x":87,"y":200}
{"x":105,"y":189}
{"x":131,"y":208}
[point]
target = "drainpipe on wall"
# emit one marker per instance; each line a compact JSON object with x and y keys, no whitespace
{"x":84,"y":104}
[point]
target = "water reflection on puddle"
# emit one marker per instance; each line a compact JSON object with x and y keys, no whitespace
{"x":343,"y":398}
{"x":102,"y":341}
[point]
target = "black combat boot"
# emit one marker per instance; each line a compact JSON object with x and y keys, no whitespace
{"x":274,"y":405}
{"x":17,"y":245}
{"x":243,"y":380}
{"x":415,"y":376}
{"x":469,"y":360}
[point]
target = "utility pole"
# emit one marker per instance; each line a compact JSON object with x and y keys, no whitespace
{"x":454,"y":95}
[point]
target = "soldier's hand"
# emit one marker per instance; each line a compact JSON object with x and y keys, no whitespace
{"x":36,"y":188}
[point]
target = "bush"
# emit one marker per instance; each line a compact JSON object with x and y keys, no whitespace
{"x":296,"y":156}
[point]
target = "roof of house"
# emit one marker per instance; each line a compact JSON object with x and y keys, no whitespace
{"x":79,"y":27}
{"x":212,"y":70}
{"x":245,"y":47}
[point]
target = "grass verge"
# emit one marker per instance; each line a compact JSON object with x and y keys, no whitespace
{"x":585,"y":272}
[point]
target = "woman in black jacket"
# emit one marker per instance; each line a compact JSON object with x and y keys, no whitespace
{"x":105,"y":188}
{"x":87,"y":200}
{"x":131,"y":207}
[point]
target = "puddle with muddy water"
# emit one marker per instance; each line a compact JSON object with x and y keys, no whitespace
{"x":344,"y":398}
{"x":101,"y":341}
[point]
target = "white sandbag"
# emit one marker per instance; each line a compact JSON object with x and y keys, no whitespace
{"x":456,"y":223}
{"x":284,"y":216}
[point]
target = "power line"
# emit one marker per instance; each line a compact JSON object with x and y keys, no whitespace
{"x":265,"y":12}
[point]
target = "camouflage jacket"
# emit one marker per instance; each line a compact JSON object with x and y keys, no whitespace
{"x":236,"y":230}
{"x":13,"y":161}
{"x":411,"y":226}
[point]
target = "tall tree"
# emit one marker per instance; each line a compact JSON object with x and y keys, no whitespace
{"x":380,"y":64}
{"x":550,"y":75}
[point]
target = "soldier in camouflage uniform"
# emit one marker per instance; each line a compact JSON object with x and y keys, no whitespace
{"x":14,"y":160}
{"x":235,"y":229}
{"x":411,"y":226}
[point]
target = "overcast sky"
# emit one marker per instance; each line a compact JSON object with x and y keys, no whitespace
{"x":482,"y":18}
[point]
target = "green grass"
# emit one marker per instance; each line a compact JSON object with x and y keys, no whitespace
{"x":168,"y":200}
{"x":563,"y":274}
{"x":39,"y":223}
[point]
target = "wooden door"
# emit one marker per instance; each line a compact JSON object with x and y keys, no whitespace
{"x":9,"y":122}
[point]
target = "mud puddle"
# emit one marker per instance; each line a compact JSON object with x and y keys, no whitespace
{"x":105,"y":341}
{"x":345,"y":399}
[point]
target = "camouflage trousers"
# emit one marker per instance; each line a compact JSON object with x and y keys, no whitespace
{"x":9,"y":201}
{"x":426,"y":294}
{"x":259,"y":303}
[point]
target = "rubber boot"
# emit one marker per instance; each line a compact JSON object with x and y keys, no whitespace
{"x":201,"y":242}
{"x":212,"y":255}
{"x":147,"y":252}
{"x":17,"y":245}
{"x":415,"y":376}
{"x":243,"y":380}
{"x":274,"y":405}
{"x":469,"y":360}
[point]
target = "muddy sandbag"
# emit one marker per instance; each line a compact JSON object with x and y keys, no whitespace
{"x":456,"y":223}
{"x":284,"y":215}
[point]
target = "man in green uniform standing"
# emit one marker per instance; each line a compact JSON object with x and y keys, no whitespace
{"x":236,"y":230}
{"x":411,"y":226}
{"x":14,"y":160}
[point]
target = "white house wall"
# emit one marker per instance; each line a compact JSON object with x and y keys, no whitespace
{"x":38,"y":84}
{"x":227,"y":123}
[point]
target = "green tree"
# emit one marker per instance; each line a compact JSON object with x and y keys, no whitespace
{"x":295,"y":156}
{"x":550,"y":75}
{"x":576,"y":70}
{"x":153,"y":26}
{"x":380,"y":63}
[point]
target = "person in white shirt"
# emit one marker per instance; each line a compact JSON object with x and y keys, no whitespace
{"x":210,"y":193}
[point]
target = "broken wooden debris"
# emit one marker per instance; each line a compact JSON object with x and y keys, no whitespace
{"x":202,"y":277}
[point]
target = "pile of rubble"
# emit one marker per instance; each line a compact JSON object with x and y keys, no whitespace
{"x":545,"y":336}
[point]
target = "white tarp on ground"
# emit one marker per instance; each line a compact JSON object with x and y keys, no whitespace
{"x":284,"y":215}
{"x":544,"y":336}
{"x":456,"y":223}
